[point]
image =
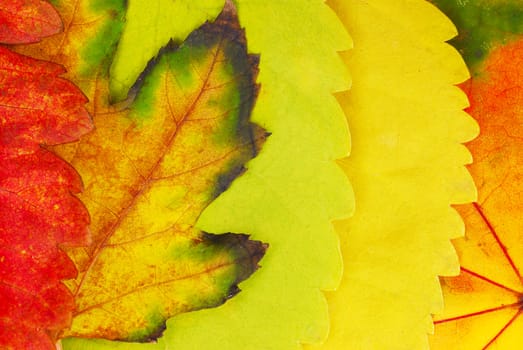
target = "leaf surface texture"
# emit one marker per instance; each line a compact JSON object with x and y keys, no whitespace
{"x":150,"y":167}
{"x":39,"y":213}
{"x":26,"y":21}
{"x":158,"y":22}
{"x":483,"y":305}
{"x":406,"y":167}
{"x":291,"y":192}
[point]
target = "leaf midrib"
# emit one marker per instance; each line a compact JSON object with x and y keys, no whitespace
{"x":146,"y":182}
{"x":156,"y":284}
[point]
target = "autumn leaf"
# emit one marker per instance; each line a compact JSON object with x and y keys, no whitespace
{"x":483,"y":305}
{"x":26,"y":21}
{"x":154,"y":21}
{"x":150,"y":168}
{"x":291,"y":191}
{"x":406,"y":167}
{"x":40,"y":215}
{"x":483,"y":24}
{"x":86,"y":46}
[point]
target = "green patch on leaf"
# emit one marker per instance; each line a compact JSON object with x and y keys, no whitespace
{"x":482,"y":25}
{"x":153,"y":25}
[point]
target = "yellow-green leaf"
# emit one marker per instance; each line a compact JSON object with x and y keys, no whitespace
{"x":407,"y":168}
{"x":149,"y":25}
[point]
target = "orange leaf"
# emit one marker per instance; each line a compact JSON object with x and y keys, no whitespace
{"x":483,"y":304}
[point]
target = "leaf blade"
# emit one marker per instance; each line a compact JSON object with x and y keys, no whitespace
{"x":298,"y":196}
{"x":490,"y":256}
{"x":321,"y":121}
{"x":407,"y":167}
{"x":154,"y":21}
{"x":158,"y":187}
{"x":28,"y":21}
{"x":150,"y":167}
{"x":40,"y":214}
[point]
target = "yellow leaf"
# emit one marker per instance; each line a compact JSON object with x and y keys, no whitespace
{"x":406,"y":168}
{"x":150,"y":168}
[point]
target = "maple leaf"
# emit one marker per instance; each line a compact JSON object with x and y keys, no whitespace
{"x":292,"y":189}
{"x":150,"y":168}
{"x":483,"y":305}
{"x":406,"y":167}
{"x":40,"y":215}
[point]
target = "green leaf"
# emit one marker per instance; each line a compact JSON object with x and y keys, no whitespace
{"x":149,"y":25}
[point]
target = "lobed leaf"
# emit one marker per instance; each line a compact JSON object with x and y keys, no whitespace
{"x":149,"y":173}
{"x":290,"y":193}
{"x":150,"y":168}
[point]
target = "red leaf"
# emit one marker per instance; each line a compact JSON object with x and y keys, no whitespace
{"x":38,"y":213}
{"x":27,"y":21}
{"x":37,"y":106}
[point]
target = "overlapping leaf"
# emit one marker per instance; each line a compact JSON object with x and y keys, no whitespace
{"x":150,"y":168}
{"x":483,"y":304}
{"x":407,"y":167}
{"x":26,"y":21}
{"x":39,"y":214}
{"x":291,"y":191}
{"x":482,"y":25}
{"x":151,"y":25}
